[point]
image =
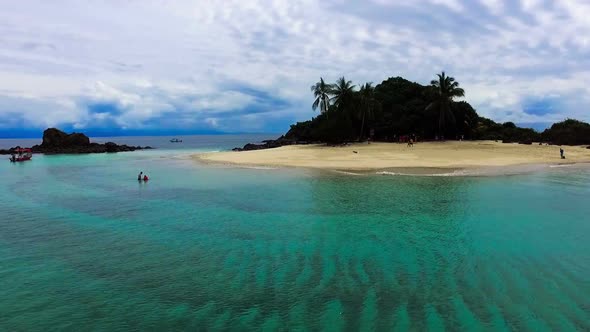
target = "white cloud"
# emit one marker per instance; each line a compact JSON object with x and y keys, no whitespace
{"x":454,"y":5}
{"x":183,"y":59}
{"x":223,"y":101}
{"x":495,"y":6}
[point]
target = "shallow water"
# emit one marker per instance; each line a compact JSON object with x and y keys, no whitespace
{"x":83,"y":245}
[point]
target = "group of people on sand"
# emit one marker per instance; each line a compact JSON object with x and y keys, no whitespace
{"x":410,"y":139}
{"x":142,"y":177}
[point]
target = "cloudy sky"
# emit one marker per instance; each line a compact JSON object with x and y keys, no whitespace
{"x":246,"y":66}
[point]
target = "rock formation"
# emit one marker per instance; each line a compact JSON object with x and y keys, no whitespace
{"x":269,"y":144}
{"x":56,"y":141}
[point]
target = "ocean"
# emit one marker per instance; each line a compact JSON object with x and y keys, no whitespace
{"x":85,"y":246}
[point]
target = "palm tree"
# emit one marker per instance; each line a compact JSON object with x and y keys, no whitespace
{"x":446,"y":89}
{"x":321,"y":92}
{"x":367,"y":103}
{"x":343,"y":92}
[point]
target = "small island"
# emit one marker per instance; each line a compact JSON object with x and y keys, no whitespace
{"x":56,"y":141}
{"x":357,"y":128}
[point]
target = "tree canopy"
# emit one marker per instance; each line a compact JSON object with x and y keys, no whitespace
{"x":321,"y":92}
{"x":445,"y":89}
{"x":399,"y":108}
{"x":568,"y":132}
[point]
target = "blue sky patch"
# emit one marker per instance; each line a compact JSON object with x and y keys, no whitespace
{"x":540,"y":106}
{"x":102,"y":108}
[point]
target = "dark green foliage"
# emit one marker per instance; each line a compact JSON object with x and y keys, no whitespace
{"x":507,"y":132}
{"x":397,"y":107}
{"x":520,"y":135}
{"x":466,"y":119}
{"x":568,"y":132}
{"x":303,"y":131}
{"x":367,"y":106}
{"x":445,"y":89}
{"x":330,"y":127}
{"x":403,"y":110}
{"x":509,"y":125}
{"x":410,"y":108}
{"x":321,"y":92}
{"x":487,"y":129}
{"x":344,"y":95}
{"x":337,"y":129}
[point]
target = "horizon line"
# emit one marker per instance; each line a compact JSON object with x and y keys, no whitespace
{"x":40,"y":136}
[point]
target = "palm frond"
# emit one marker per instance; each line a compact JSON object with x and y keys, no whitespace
{"x":315,"y":104}
{"x":457,"y":92}
{"x":432,"y":105}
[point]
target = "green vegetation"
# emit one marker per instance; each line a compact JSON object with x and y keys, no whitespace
{"x":321,"y":92}
{"x":446,"y":90}
{"x":397,"y":107}
{"x":568,"y":132}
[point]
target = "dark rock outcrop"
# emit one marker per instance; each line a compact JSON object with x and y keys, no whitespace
{"x":270,"y":144}
{"x":56,"y":141}
{"x":55,"y":138}
{"x":9,"y":151}
{"x":111,"y":147}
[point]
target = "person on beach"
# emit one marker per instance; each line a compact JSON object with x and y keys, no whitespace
{"x":561,"y":152}
{"x":140,"y":176}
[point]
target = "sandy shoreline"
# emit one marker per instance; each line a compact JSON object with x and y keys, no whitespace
{"x":428,"y":157}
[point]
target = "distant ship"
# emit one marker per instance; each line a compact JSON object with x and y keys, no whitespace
{"x":176,"y":140}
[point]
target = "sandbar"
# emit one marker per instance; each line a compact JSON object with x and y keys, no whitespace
{"x":380,"y":156}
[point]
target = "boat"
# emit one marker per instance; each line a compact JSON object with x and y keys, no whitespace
{"x":176,"y":140}
{"x":21,"y":154}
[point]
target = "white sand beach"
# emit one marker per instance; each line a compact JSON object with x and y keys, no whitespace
{"x":374,"y":156}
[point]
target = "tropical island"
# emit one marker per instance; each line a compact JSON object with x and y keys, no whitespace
{"x":436,"y":131}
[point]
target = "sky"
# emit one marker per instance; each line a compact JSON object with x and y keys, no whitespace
{"x":132,"y":67}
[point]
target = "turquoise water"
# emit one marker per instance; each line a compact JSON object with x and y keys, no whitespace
{"x":84,"y":246}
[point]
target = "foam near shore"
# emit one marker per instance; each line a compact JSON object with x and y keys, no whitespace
{"x":382,"y":156}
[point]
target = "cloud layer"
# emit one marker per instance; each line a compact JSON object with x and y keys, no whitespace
{"x":246,"y":66}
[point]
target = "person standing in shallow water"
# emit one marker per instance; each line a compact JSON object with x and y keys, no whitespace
{"x":140,"y":177}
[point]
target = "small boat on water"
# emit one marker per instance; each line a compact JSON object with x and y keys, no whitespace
{"x":176,"y":140}
{"x":21,"y":155}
